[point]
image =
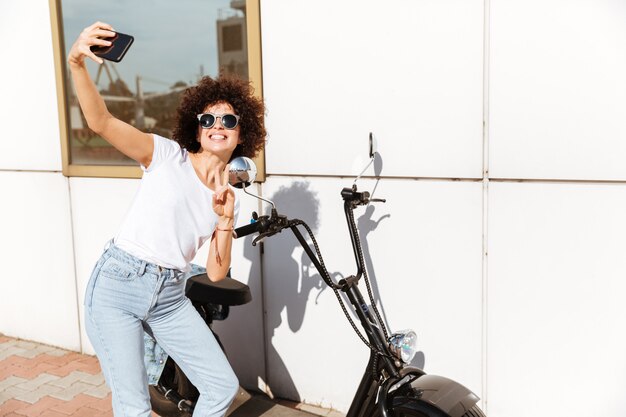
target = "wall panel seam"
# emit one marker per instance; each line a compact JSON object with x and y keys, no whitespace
{"x":485,"y":220}
{"x":73,"y":238}
{"x":36,"y":171}
{"x":451,"y":179}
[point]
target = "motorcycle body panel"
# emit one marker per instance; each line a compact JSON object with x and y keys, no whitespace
{"x":435,"y":393}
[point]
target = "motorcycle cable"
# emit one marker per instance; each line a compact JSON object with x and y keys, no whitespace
{"x":370,"y":295}
{"x":367,"y":280}
{"x":335,"y":287}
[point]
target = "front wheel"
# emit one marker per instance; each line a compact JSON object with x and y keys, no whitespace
{"x":474,"y":412}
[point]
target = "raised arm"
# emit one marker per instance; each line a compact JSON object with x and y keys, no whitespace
{"x":126,"y":138}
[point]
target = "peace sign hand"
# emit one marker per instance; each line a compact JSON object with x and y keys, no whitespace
{"x":223,"y":197}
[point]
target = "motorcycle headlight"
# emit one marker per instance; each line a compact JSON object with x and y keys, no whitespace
{"x":404,"y":345}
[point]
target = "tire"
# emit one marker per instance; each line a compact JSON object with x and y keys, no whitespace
{"x":162,"y":406}
{"x":474,"y":412}
{"x":173,"y":377}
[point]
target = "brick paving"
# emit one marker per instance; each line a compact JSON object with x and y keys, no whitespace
{"x":44,"y":381}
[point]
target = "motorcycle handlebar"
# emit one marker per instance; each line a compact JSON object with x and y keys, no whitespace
{"x":246,"y":230}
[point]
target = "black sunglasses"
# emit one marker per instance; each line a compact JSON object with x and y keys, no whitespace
{"x":229,"y":121}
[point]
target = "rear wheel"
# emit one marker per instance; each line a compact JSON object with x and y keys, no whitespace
{"x":174,"y":378}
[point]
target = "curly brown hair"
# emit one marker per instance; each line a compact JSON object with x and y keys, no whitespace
{"x":223,"y":89}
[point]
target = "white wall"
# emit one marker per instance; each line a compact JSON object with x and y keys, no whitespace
{"x":28,"y":108}
{"x":556,"y":310}
{"x":557,"y":96}
{"x":37,"y":288}
{"x":510,"y":275}
{"x":98,"y":207}
{"x":410,"y":71}
{"x":557,"y":89}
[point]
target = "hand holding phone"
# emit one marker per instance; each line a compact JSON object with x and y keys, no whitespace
{"x":118,"y":48}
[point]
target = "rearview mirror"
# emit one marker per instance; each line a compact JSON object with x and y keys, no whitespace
{"x":373,"y":145}
{"x":242,"y":172}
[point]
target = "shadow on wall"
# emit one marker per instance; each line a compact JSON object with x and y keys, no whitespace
{"x":366,"y":224}
{"x":297,"y":277}
{"x":293,"y":278}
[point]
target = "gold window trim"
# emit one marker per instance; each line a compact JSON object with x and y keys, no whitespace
{"x":253,"y":21}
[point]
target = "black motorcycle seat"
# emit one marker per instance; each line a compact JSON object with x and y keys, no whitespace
{"x":228,"y":291}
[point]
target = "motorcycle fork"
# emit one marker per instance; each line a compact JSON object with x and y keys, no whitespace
{"x":365,"y":399}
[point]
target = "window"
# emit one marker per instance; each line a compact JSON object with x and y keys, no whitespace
{"x":233,"y":38}
{"x":175,"y":44}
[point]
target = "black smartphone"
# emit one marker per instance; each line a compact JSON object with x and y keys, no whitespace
{"x":118,"y":48}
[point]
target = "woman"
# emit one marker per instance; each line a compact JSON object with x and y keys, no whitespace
{"x":183,"y":200}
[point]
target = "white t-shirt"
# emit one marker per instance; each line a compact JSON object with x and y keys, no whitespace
{"x":172,"y":213}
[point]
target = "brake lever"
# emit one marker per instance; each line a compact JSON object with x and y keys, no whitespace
{"x":264,"y":235}
{"x":260,"y":237}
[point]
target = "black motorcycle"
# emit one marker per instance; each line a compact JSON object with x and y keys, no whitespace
{"x":389,"y":386}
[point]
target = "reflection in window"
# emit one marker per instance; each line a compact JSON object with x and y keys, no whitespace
{"x":176,"y":43}
{"x":232,"y":38}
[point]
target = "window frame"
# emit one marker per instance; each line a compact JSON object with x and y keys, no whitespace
{"x":253,"y":23}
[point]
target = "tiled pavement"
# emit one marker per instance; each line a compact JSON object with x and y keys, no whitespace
{"x":43,"y":381}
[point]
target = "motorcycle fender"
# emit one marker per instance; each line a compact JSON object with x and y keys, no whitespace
{"x":444,"y":394}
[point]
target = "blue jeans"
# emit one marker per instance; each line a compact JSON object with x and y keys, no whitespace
{"x":126,"y":295}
